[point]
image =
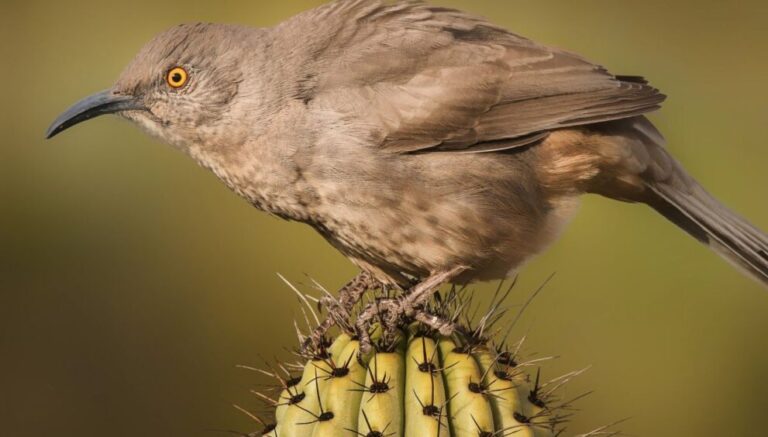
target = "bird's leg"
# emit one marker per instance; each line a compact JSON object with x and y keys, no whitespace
{"x":411,"y":305}
{"x":424,"y":290}
{"x":339,"y":310}
{"x":349,"y":295}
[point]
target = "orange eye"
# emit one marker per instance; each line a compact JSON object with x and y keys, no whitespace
{"x":177,"y":77}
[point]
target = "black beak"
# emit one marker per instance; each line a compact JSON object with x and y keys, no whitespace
{"x":105,"y":102}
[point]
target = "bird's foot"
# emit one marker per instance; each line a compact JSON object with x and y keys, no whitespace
{"x":393,"y":312}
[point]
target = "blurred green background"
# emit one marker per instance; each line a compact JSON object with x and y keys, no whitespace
{"x":132,"y":282}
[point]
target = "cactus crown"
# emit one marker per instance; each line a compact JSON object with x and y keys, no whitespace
{"x":416,"y":382}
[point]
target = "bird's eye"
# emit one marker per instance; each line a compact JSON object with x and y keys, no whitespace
{"x":177,"y":77}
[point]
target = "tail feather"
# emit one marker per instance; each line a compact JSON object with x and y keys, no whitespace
{"x":660,"y":181}
{"x":701,"y":215}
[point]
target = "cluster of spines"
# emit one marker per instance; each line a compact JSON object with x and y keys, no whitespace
{"x":419,"y":383}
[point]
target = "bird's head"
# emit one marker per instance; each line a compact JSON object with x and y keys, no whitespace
{"x":180,"y":87}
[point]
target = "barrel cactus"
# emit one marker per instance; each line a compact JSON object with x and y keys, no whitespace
{"x":418,"y":383}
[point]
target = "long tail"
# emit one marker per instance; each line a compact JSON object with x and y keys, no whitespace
{"x":706,"y":219}
{"x":647,"y":173}
{"x":701,"y":215}
{"x":682,"y":200}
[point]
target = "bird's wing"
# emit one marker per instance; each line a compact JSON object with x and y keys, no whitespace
{"x":427,"y":78}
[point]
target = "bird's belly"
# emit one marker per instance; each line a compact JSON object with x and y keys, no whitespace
{"x":518,"y":248}
{"x":417,"y":239}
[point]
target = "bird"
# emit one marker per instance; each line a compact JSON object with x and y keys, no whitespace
{"x":426,"y":144}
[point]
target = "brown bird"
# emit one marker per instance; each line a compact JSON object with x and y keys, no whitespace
{"x":422,"y":142}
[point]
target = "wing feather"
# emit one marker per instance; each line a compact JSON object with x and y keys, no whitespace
{"x":435,"y":79}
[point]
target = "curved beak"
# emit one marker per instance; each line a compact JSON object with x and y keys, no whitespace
{"x":105,"y":102}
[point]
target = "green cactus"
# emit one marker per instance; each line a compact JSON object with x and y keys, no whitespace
{"x":417,"y":383}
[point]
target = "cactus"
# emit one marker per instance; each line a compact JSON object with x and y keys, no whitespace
{"x":418,"y":383}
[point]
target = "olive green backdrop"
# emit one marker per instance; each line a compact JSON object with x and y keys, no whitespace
{"x":132,"y":282}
